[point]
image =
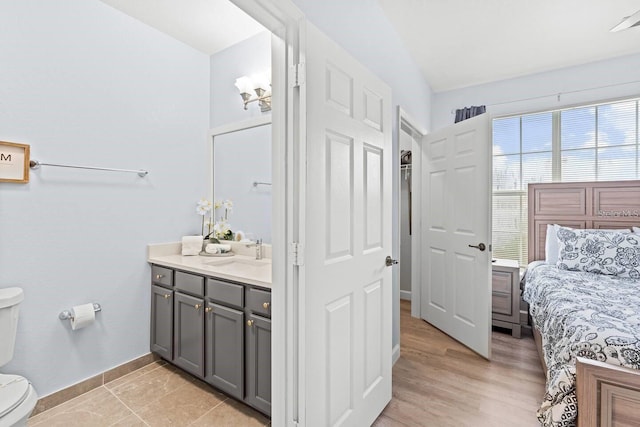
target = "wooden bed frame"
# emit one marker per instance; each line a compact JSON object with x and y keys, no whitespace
{"x":608,"y":395}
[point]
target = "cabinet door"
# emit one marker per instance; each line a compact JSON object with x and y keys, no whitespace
{"x":259,"y":363}
{"x":225,"y":349}
{"x":188,"y":345}
{"x":162,"y":321}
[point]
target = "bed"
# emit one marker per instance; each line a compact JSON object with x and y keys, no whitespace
{"x":586,"y":325}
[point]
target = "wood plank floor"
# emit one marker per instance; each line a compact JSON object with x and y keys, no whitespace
{"x":439,"y":382}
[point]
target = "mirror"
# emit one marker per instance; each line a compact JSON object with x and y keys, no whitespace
{"x":242,"y":174}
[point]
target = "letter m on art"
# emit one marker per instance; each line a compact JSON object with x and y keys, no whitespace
{"x":5,"y":157}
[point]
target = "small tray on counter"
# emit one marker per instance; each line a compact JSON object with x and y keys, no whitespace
{"x":226,"y":254}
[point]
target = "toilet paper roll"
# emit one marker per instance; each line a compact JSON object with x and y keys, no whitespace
{"x":83,"y":315}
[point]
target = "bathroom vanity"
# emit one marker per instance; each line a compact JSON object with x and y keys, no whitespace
{"x":212,"y":318}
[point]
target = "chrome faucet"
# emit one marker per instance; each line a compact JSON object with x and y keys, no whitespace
{"x":258,"y":245}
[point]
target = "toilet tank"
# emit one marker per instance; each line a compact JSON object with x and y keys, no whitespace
{"x":10,"y":299}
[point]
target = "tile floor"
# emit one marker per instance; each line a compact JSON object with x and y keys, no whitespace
{"x":156,"y":395}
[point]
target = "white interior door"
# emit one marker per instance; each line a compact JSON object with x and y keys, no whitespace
{"x":456,"y":216}
{"x":345,"y":350}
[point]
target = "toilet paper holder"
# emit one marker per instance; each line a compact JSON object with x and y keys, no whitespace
{"x":68,"y":314}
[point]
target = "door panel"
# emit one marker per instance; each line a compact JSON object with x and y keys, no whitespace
{"x":188,"y":327}
{"x":346,"y":349}
{"x":259,"y":362}
{"x":162,"y":321}
{"x":225,"y":349}
{"x":456,"y":213}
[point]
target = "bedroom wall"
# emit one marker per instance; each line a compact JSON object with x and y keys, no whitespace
{"x":85,"y":84}
{"x":593,"y":82}
{"x":362,"y":29}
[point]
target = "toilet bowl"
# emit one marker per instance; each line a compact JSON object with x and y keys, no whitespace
{"x":17,"y":395}
{"x":17,"y":400}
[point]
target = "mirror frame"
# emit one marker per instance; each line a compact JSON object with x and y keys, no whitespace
{"x":251,"y":123}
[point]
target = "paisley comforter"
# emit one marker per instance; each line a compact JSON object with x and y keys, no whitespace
{"x":580,"y":314}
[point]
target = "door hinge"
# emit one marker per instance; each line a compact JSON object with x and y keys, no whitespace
{"x":296,"y":250}
{"x":297,"y":72}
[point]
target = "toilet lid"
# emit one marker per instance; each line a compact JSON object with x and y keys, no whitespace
{"x":13,"y":390}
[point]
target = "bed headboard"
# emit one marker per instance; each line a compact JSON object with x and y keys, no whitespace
{"x":612,"y":204}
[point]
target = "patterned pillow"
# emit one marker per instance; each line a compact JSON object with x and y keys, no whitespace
{"x":603,"y":252}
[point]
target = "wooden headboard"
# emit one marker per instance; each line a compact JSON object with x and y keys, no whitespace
{"x":612,"y":204}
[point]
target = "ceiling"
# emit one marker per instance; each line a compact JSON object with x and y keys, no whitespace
{"x":456,"y":43}
{"x":207,"y":25}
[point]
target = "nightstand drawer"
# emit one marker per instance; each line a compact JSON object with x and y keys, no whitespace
{"x":501,"y":281}
{"x":501,"y":303}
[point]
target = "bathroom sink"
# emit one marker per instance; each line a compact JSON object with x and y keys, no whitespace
{"x":242,"y":267}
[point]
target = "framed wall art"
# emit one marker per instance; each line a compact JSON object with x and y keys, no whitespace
{"x":14,"y":162}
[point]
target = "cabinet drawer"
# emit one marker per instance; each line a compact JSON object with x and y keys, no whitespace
{"x":259,"y":301}
{"x":501,"y":303}
{"x":501,"y":281}
{"x":161,"y":275}
{"x":189,"y":283}
{"x":226,"y":293}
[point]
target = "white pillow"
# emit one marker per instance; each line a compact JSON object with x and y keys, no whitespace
{"x":552,"y":246}
{"x":598,"y":251}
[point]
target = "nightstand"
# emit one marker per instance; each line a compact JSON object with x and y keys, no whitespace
{"x":505,"y":295}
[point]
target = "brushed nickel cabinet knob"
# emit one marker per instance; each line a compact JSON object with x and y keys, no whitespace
{"x":265,"y":305}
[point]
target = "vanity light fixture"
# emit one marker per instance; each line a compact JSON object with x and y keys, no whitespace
{"x":258,"y":84}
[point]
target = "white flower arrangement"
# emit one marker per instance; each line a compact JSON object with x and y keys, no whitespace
{"x":218,"y":228}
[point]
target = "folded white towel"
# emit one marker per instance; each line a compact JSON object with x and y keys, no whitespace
{"x":191,"y":245}
{"x":211,"y":249}
{"x":218,"y":248}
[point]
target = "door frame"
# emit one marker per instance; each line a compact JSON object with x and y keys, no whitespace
{"x":282,"y":18}
{"x":406,"y":123}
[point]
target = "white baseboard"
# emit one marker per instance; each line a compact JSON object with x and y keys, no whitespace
{"x":395,"y":353}
{"x":405,"y":295}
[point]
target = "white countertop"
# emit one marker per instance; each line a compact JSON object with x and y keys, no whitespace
{"x":241,"y":267}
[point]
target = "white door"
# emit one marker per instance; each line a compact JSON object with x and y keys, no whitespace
{"x":456,"y":220}
{"x":345,"y":350}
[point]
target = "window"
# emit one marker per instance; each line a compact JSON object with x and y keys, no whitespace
{"x":591,"y":143}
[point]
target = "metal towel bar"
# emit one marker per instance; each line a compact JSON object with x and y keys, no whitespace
{"x":35,"y":164}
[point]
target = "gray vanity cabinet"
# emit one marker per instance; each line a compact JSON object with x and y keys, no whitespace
{"x":225,"y":349}
{"x":215,"y":329}
{"x":188,"y":345}
{"x":162,"y":321}
{"x":258,"y":337}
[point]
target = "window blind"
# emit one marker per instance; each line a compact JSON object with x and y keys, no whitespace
{"x":588,"y":143}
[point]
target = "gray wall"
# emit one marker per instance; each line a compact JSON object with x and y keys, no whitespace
{"x":84,"y":84}
{"x":248,"y":57}
{"x":593,"y":82}
{"x":252,"y":205}
{"x":362,"y":29}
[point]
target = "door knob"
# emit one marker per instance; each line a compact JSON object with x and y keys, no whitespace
{"x":390,"y":261}
{"x":480,"y":246}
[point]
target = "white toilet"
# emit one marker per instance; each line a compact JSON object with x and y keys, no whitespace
{"x":17,"y":395}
